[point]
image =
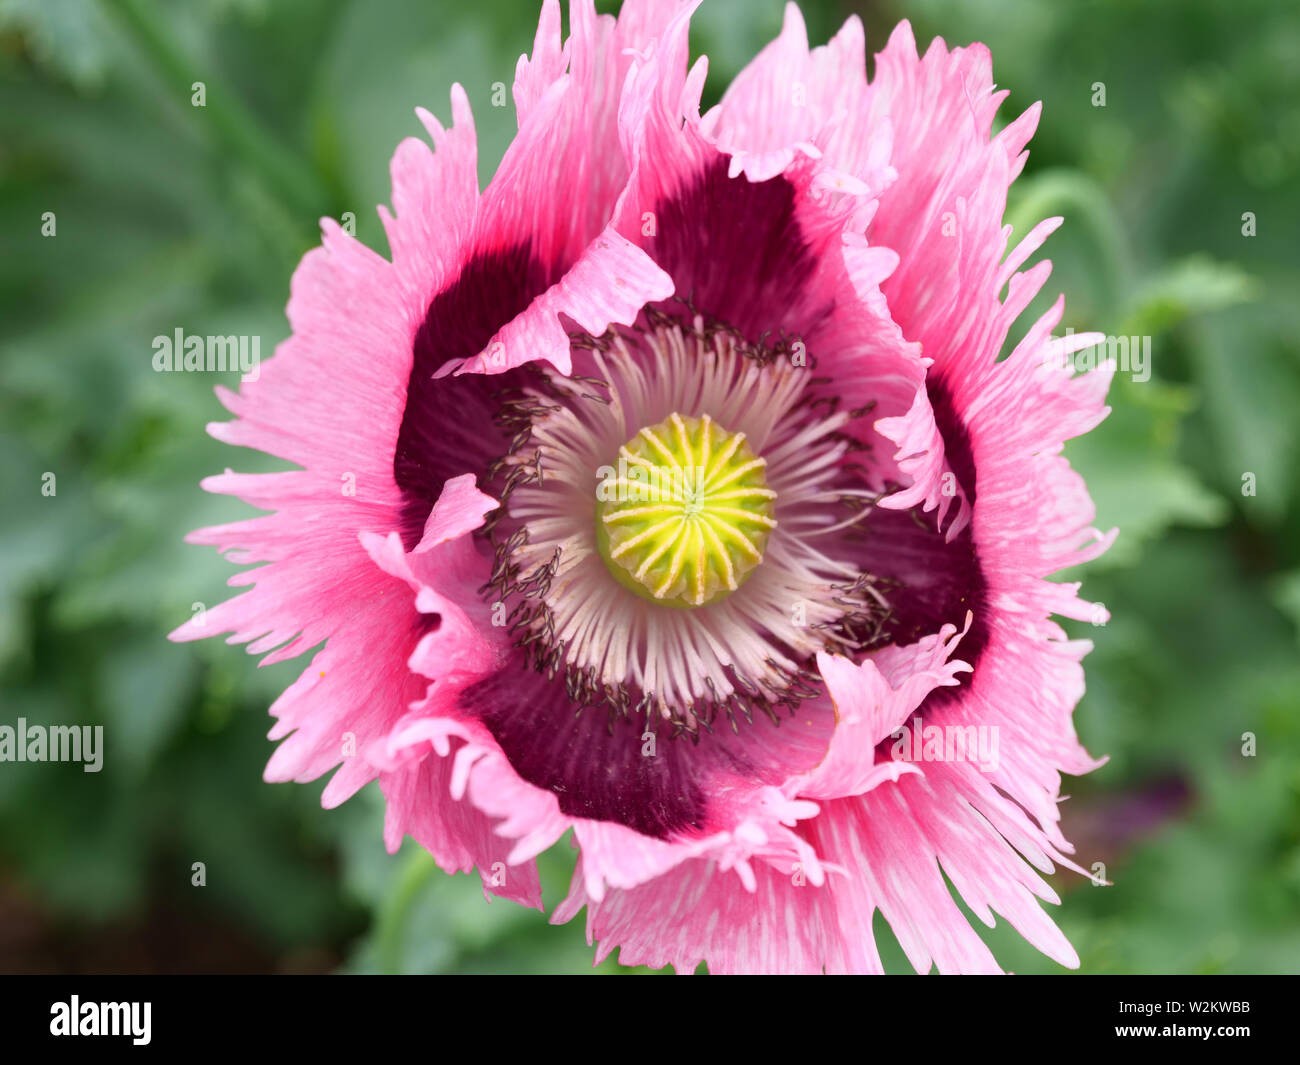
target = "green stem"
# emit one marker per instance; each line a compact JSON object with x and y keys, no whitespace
{"x":292,"y":180}
{"x":390,"y":924}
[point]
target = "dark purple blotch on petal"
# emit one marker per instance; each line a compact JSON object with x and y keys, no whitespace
{"x":592,"y":763}
{"x":931,"y":582}
{"x":447,"y":427}
{"x":735,"y":250}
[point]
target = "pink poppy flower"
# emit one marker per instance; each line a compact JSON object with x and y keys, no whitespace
{"x":669,"y":491}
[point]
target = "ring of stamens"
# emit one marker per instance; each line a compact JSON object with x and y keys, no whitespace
{"x":588,"y":621}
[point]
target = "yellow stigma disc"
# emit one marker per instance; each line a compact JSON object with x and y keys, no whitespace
{"x":684,"y":518}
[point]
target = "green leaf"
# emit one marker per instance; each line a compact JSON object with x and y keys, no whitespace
{"x":1132,"y":472}
{"x":1189,"y":287}
{"x":1286,"y":594}
{"x":1247,"y":362}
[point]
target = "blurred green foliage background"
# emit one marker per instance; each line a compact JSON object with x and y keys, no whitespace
{"x":174,"y":216}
